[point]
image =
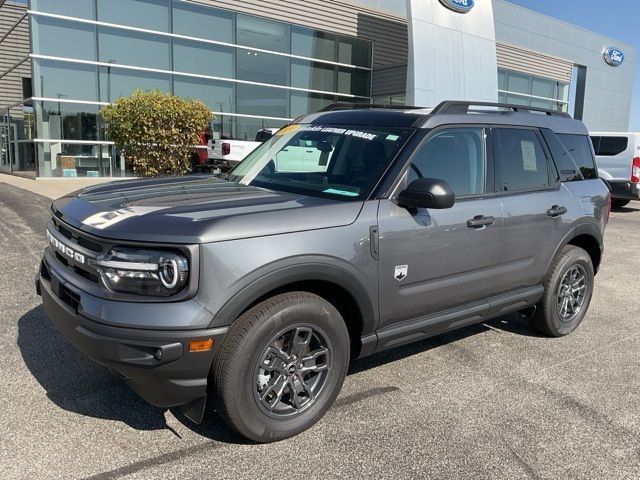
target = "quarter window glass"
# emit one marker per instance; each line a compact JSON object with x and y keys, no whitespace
{"x":580,"y":150}
{"x":521,"y":161}
{"x":454,"y":155}
{"x":610,"y":146}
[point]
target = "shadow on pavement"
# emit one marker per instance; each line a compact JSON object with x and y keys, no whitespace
{"x":75,"y":383}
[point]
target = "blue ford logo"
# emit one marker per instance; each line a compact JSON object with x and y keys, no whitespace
{"x":613,"y":56}
{"x":461,"y":6}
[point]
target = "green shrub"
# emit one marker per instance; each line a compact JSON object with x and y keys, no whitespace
{"x":156,"y":131}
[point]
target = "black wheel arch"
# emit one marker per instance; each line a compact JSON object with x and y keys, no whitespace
{"x":336,"y":284}
{"x":586,"y":236}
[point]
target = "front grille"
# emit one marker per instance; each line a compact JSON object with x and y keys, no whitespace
{"x":88,"y":247}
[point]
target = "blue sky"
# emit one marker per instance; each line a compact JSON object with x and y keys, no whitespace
{"x":617,"y":19}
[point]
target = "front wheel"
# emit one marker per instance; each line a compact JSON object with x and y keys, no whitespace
{"x":280,"y":366}
{"x":568,"y":287}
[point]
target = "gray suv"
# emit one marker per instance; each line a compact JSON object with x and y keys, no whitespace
{"x":350,"y":231}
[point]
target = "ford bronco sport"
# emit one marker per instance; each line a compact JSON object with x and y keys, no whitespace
{"x":258,"y":287}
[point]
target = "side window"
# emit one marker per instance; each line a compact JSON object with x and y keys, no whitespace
{"x":521,"y":162}
{"x":580,"y":151}
{"x":611,"y":146}
{"x":596,"y":144}
{"x":456,"y":155}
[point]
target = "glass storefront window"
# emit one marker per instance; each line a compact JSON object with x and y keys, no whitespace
{"x":217,"y":95}
{"x":222,"y":127}
{"x":542,"y":87}
{"x":503,"y":80}
{"x":355,"y":82}
{"x":59,"y":159}
{"x":68,"y":121}
{"x":70,"y":8}
{"x":133,"y":48}
{"x":313,"y":44}
{"x":260,"y":33}
{"x":148,"y":14}
{"x":119,"y":82}
{"x":262,"y":67}
{"x":312,"y":75}
{"x":528,"y":90}
{"x":303,"y":103}
{"x":62,"y":38}
{"x":247,"y":128}
{"x":519,"y":83}
{"x":202,"y":22}
{"x":202,"y":58}
{"x":354,"y":51}
{"x":64,"y":80}
{"x":262,"y":101}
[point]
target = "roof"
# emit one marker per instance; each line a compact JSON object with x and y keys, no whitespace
{"x":447,"y":113}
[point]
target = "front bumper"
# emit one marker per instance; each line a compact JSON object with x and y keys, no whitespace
{"x":156,"y":364}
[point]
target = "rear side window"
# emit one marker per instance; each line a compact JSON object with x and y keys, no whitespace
{"x":521,"y":161}
{"x":609,"y":146}
{"x":580,"y":151}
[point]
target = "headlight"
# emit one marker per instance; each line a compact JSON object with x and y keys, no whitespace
{"x":143,"y":272}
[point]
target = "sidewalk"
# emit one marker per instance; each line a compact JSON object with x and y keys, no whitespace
{"x":52,"y":188}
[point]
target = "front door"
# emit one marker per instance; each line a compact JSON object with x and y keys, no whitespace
{"x":435,"y":260}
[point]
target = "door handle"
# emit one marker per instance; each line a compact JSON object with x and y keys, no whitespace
{"x":480,"y":221}
{"x":556,"y":211}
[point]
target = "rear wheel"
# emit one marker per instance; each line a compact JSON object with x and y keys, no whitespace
{"x":280,"y":366}
{"x":568,"y":287}
{"x":619,"y":203}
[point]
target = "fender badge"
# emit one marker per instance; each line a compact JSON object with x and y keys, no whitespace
{"x":401,"y":272}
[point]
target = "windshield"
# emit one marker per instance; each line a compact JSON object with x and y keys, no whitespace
{"x":336,"y":161}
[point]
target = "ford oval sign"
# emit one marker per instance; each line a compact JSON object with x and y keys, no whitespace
{"x":461,"y":6}
{"x":613,"y":56}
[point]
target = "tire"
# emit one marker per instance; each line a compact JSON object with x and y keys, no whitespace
{"x":551,"y":318}
{"x":619,"y":203}
{"x":288,"y":406}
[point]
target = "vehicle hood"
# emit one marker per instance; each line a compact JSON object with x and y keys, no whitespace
{"x":196,"y":209}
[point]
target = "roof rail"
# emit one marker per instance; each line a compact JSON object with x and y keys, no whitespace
{"x":355,"y":106}
{"x":451,"y":106}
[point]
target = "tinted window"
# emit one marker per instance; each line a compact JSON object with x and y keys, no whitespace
{"x":335,"y":161}
{"x":521,"y":162}
{"x":610,"y":146}
{"x":567,"y":169}
{"x":454,"y":155}
{"x":580,"y":151}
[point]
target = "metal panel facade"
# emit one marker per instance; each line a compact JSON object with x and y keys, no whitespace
{"x":14,"y":46}
{"x":527,"y":61}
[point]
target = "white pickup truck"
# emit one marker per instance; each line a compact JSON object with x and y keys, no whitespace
{"x":226,"y":154}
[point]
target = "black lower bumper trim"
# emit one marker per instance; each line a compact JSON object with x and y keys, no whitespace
{"x":157,"y":365}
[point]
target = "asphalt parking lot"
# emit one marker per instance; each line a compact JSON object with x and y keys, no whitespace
{"x":490,"y":401}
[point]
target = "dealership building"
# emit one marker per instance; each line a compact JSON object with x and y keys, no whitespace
{"x":261,"y":63}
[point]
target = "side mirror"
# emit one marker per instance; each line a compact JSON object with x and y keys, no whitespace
{"x":427,"y":193}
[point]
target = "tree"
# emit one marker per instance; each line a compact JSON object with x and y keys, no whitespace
{"x":156,"y":131}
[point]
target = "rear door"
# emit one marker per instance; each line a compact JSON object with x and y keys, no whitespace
{"x":435,"y":260}
{"x":614,"y":156}
{"x":537,"y":208}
